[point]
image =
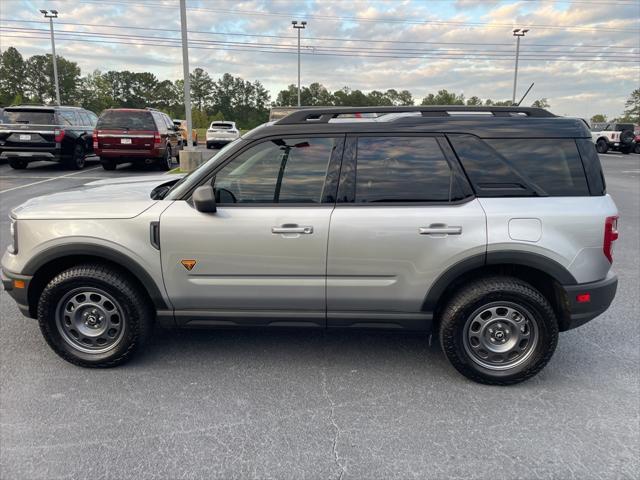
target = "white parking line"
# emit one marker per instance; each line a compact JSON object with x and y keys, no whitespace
{"x":48,"y":180}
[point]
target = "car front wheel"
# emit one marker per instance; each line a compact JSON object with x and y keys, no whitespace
{"x":498,"y":331}
{"x":94,"y":316}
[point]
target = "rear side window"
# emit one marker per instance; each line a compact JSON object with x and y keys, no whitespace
{"x":29,"y":116}
{"x":123,"y":119}
{"x":592,"y":167}
{"x":401,"y":169}
{"x":522,"y":167}
{"x":68,"y":117}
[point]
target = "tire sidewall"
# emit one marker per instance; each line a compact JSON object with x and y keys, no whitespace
{"x":453,"y":333}
{"x":47,"y":307}
{"x":78,"y":159}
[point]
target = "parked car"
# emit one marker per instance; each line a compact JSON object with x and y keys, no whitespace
{"x":613,"y":136}
{"x":135,"y":135}
{"x":30,"y":133}
{"x":636,"y":141}
{"x":182,"y":125}
{"x":472,"y":227}
{"x":220,"y":133}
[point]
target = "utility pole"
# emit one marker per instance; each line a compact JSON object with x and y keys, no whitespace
{"x":185,"y":72}
{"x":517,"y":33}
{"x":299,"y":27}
{"x":51,"y":16}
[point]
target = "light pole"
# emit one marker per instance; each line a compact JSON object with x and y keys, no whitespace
{"x":185,"y":73}
{"x":51,"y":16}
{"x":517,"y":33}
{"x":299,"y":27}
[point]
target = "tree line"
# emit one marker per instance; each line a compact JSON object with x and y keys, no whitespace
{"x":226,"y":98}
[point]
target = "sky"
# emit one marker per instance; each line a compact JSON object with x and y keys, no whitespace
{"x":583,"y":55}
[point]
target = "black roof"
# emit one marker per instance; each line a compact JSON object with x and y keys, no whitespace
{"x":29,"y":106}
{"x":484,"y":122}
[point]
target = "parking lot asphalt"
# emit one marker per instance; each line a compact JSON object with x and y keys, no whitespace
{"x":321,"y":405}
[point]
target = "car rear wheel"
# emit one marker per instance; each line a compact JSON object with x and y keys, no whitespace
{"x":77,"y":160}
{"x":636,"y":149}
{"x":602,"y":146}
{"x":166,"y":163}
{"x":18,"y":163}
{"x":626,"y":149}
{"x":108,"y":164}
{"x":498,"y":331}
{"x":94,"y":316}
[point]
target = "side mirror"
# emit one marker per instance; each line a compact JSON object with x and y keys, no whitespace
{"x":204,"y":199}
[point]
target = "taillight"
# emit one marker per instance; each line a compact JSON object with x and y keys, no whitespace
{"x":157,"y":140}
{"x":610,"y":236}
{"x":59,"y":134}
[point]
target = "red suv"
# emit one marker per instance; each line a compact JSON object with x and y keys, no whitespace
{"x":135,"y":135}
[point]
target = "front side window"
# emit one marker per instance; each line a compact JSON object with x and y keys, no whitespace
{"x":401,"y":169}
{"x":284,"y":170}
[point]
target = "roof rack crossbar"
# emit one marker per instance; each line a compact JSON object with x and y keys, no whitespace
{"x":325,"y":114}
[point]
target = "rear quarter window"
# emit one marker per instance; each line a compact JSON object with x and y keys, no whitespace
{"x":522,"y":167}
{"x":131,"y":120}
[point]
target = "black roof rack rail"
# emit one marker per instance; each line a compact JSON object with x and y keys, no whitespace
{"x":324,"y":114}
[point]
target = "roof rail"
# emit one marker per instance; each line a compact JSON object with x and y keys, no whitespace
{"x":325,"y":114}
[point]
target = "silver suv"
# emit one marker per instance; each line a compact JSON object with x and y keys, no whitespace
{"x":466,"y":223}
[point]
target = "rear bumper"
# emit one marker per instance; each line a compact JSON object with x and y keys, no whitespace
{"x":129,"y":154}
{"x":601,"y":294}
{"x":20,"y":295}
{"x":29,"y":155}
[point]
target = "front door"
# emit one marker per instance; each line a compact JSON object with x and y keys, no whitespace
{"x":261,"y":257}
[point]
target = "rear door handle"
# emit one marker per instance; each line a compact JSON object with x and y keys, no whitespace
{"x":301,"y":229}
{"x":435,"y":229}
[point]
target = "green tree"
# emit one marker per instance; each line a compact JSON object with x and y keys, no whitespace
{"x":541,"y":103}
{"x":12,"y":76}
{"x":201,"y":88}
{"x":599,"y":118}
{"x":632,"y":108}
{"x":443,"y":97}
{"x":474,"y":101}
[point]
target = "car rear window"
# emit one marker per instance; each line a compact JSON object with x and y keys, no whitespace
{"x":29,"y":116}
{"x":122,"y":119}
{"x":522,"y":167}
{"x":222,"y":126}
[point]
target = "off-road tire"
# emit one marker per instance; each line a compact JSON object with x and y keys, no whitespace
{"x":137,"y":313}
{"x":469,"y":300}
{"x":626,"y":149}
{"x":602,"y":146}
{"x":18,"y":163}
{"x":77,"y":160}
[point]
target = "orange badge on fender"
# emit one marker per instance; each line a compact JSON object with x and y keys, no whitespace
{"x":188,"y":264}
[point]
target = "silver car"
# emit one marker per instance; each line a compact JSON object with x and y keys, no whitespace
{"x":459,"y":222}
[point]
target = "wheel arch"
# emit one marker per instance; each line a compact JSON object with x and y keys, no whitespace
{"x":44,"y":266}
{"x":545,"y":274}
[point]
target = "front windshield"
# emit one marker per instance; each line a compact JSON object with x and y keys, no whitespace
{"x":196,"y":175}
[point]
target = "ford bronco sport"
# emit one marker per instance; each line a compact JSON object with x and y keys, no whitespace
{"x":456,"y":221}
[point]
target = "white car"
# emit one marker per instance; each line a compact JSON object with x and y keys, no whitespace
{"x":220,"y":133}
{"x":613,"y":136}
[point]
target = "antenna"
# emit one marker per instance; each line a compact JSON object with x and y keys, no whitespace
{"x":525,"y":94}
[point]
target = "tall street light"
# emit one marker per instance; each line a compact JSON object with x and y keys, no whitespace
{"x":517,"y":33}
{"x":299,"y":27}
{"x":51,"y":16}
{"x":185,"y":73}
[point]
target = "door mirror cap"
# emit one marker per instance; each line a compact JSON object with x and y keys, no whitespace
{"x":204,"y":199}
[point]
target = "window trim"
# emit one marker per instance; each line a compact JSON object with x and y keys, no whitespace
{"x":329,"y":188}
{"x":348,"y":175}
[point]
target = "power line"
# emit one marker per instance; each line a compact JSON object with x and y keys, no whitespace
{"x":337,"y":54}
{"x":361,"y":19}
{"x":314,"y":48}
{"x":336,"y":39}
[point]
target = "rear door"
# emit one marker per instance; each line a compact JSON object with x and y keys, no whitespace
{"x":28,"y":129}
{"x":404,"y":216}
{"x":262,"y":255}
{"x":126,"y":131}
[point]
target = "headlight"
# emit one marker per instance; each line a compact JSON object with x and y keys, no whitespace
{"x":13,"y":230}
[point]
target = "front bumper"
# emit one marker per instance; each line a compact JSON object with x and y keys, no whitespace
{"x":601,"y":294}
{"x":20,"y":295}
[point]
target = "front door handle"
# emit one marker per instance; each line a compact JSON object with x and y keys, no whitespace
{"x":439,"y":229}
{"x":301,"y":229}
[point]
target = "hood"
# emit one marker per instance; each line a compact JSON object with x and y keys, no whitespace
{"x":112,"y":198}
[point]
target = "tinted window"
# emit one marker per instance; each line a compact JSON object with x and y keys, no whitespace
{"x":93,"y":118}
{"x":221,"y":126}
{"x":84,"y":119}
{"x":401,"y":169}
{"x":521,"y":167}
{"x":67,"y":117}
{"x":288,"y":170}
{"x":37,"y":117}
{"x":592,"y":167}
{"x":126,"y":119}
